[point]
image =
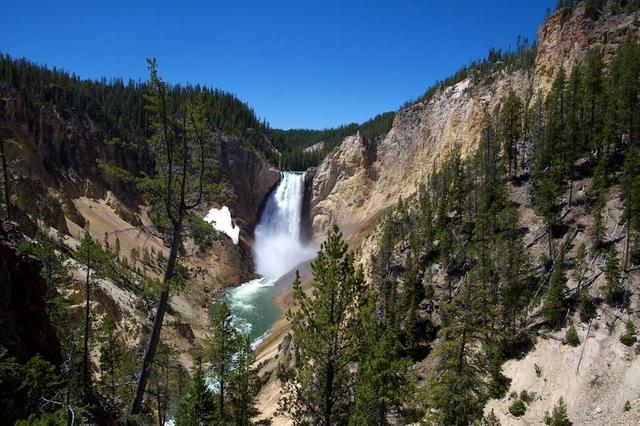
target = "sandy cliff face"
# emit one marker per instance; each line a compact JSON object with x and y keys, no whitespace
{"x":353,"y":186}
{"x":56,"y":177}
{"x":566,"y":37}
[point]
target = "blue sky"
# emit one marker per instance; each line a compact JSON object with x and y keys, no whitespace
{"x":308,"y":64}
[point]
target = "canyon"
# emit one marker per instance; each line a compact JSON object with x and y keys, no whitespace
{"x":283,"y":218}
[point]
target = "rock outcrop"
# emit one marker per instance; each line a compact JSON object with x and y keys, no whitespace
{"x":25,"y":329}
{"x":352,"y":191}
{"x":353,"y":186}
{"x":248,"y":179}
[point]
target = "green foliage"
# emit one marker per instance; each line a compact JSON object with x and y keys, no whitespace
{"x":22,"y":386}
{"x":118,"y":108}
{"x":115,"y":360}
{"x":55,"y":272}
{"x":459,"y":392}
{"x":325,"y":323}
{"x":221,"y":351}
{"x":629,"y":337}
{"x":614,"y":291}
{"x":57,"y":418}
{"x":571,"y":336}
{"x":511,"y":130}
{"x":554,"y":304}
{"x":292,"y":143}
{"x":518,"y":408}
{"x":558,"y":416}
{"x":243,"y":383}
{"x":384,"y":382}
{"x":586,"y":306}
{"x":197,"y":407}
{"x":491,"y":419}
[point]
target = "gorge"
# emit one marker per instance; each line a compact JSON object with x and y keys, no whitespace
{"x":479,"y":246}
{"x":277,"y":249}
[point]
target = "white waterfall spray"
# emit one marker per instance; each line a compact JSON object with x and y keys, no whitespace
{"x":277,"y":247}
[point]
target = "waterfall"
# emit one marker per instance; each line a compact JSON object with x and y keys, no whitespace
{"x":277,"y":250}
{"x":277,"y":247}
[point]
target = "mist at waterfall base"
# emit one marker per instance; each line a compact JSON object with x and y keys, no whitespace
{"x":277,"y":250}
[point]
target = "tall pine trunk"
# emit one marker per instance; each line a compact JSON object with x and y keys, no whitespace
{"x":154,"y":339}
{"x":328,"y":395}
{"x":625,"y":262}
{"x":5,"y":178}
{"x":86,"y":373}
{"x":221,"y":379}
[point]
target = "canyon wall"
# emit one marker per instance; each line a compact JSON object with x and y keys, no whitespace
{"x":353,"y":186}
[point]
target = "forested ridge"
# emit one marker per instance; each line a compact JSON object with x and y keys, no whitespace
{"x":117,"y":107}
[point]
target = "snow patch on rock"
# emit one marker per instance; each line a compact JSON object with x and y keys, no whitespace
{"x":221,"y":221}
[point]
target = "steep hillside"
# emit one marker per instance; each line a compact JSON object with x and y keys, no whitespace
{"x":62,"y":129}
{"x":354,"y":184}
{"x":433,"y":146}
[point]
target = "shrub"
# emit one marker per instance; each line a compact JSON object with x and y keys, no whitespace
{"x":538,"y":370}
{"x":491,"y":420}
{"x":526,"y":396}
{"x":627,"y":406}
{"x":629,"y":338}
{"x":558,"y":416}
{"x":571,"y":336}
{"x":586,"y":307}
{"x":518,"y":408}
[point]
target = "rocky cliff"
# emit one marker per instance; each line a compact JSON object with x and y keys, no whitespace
{"x":56,"y":178}
{"x":25,"y":329}
{"x":353,"y":186}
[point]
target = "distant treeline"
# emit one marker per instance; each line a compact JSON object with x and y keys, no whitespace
{"x":291,"y":143}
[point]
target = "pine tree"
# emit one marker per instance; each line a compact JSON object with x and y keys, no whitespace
{"x":384,"y":382}
{"x":624,"y":92}
{"x":573,"y":125}
{"x":182,"y":179}
{"x":197,"y":407}
{"x":554,"y":300}
{"x":222,"y":348}
{"x":593,"y":102}
{"x":243,"y":383}
{"x":491,"y":419}
{"x":511,"y":130}
{"x":614,"y":291}
{"x":580,"y":268}
{"x":513,"y":269}
{"x":383,"y":278}
{"x":111,"y":353}
{"x":631,"y":197}
{"x":586,"y":306}
{"x":4,"y":161}
{"x":598,"y":186}
{"x":412,"y":296}
{"x":459,"y":391}
{"x":426,"y":231}
{"x":91,"y":256}
{"x":558,"y":416}
{"x":552,"y":160}
{"x":318,"y":390}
